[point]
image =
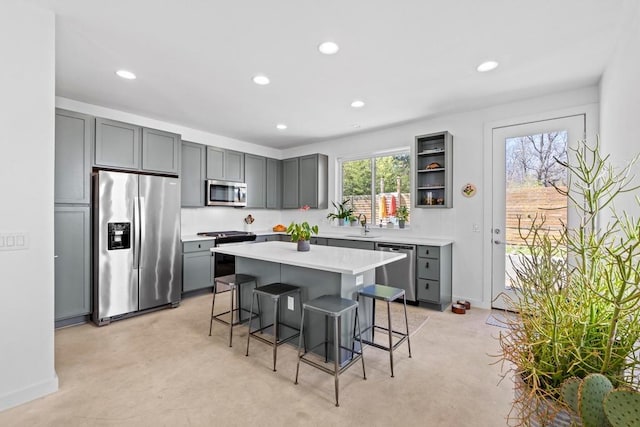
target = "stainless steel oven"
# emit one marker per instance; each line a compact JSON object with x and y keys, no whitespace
{"x":225,"y":193}
{"x":226,"y":264}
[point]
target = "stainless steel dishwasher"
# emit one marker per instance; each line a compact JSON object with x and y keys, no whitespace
{"x":399,"y":274}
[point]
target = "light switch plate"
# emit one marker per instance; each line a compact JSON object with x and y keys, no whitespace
{"x":14,"y":241}
{"x":359,"y":279}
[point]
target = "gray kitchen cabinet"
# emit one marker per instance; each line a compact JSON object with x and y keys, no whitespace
{"x":267,"y":238}
{"x":314,"y":181}
{"x":117,"y":144}
{"x":72,"y":228}
{"x":196,"y":265}
{"x":225,"y":165}
{"x":355,"y":244}
{"x":193,"y":174}
{"x":160,"y":151}
{"x":322,"y":241}
{"x":274,"y":184}
{"x":290,"y":184}
{"x":433,"y":275}
{"x":73,"y":142}
{"x":255,"y":178}
{"x":434,"y":170}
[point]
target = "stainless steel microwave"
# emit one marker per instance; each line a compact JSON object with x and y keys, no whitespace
{"x":225,"y":193}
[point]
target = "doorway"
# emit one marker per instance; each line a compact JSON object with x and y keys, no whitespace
{"x":525,"y":174}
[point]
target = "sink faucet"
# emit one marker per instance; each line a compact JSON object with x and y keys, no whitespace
{"x":364,"y":224}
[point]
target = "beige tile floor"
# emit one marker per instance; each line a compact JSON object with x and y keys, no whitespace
{"x":162,"y":369}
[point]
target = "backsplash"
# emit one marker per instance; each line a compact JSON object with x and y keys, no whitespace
{"x":221,"y":218}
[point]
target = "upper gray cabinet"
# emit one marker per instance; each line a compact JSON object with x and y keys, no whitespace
{"x":255,"y":177}
{"x":193,"y":174}
{"x":117,"y":144}
{"x":274,"y":183}
{"x":125,"y":146}
{"x":290,"y":183}
{"x":74,"y":137}
{"x":225,"y":165}
{"x":160,"y":151}
{"x":314,"y":181}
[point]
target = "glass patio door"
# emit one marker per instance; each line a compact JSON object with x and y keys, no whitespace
{"x":524,"y":175}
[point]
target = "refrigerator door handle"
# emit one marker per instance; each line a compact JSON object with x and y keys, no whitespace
{"x":134,"y":232}
{"x":141,"y":226}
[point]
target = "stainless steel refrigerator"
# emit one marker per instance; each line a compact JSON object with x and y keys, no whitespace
{"x":137,"y":256}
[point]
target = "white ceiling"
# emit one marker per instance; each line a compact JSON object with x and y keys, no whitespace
{"x":406,"y":59}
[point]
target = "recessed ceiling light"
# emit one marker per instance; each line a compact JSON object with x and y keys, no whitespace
{"x":126,"y":74}
{"x":281,"y":126}
{"x":487,"y":66}
{"x":261,"y":80}
{"x":328,"y":48}
{"x":357,"y":104}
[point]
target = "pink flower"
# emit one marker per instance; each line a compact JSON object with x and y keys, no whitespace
{"x":305,"y":208}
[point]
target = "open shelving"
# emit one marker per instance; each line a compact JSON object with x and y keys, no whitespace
{"x":434,"y":170}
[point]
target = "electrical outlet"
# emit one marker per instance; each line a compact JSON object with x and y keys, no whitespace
{"x":290,"y":303}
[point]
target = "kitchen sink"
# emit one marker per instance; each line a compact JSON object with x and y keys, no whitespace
{"x":368,"y":236}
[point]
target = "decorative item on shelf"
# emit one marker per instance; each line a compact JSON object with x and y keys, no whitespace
{"x":577,"y":293}
{"x":440,"y":201}
{"x":428,"y":199}
{"x":248,"y":220}
{"x":343,"y":213}
{"x":469,"y":190}
{"x":433,"y":165}
{"x":301,"y":233}
{"x":402,"y":213}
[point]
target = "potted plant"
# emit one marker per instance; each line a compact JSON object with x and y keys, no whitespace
{"x":353,"y":220}
{"x":402,"y":213}
{"x":577,"y":295}
{"x":343,"y":213}
{"x":301,"y":233}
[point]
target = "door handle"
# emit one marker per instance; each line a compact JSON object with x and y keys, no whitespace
{"x":497,"y":242}
{"x":141,"y":223}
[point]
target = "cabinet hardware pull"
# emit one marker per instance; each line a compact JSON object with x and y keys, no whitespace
{"x":426,"y":285}
{"x":427,"y":264}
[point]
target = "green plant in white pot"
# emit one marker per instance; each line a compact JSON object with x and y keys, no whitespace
{"x":343,"y":212}
{"x":577,"y":295}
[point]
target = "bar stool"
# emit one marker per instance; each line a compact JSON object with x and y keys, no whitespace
{"x":233,"y":282}
{"x":273,"y":291}
{"x":335,"y":307}
{"x":387,"y":294}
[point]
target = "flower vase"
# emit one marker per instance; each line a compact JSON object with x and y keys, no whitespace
{"x":303,"y":246}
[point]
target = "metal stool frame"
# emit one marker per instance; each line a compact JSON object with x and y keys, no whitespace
{"x":315,"y":305}
{"x":273,"y":291}
{"x":387,"y":294}
{"x":234,"y":282}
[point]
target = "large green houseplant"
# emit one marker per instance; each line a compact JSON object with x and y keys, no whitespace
{"x":577,"y":295}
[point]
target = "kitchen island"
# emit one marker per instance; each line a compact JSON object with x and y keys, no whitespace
{"x":321,"y":271}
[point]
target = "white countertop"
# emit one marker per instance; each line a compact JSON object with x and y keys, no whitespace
{"x":334,"y":259}
{"x":354,"y":234}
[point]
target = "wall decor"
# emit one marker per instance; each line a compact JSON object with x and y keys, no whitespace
{"x":469,"y":190}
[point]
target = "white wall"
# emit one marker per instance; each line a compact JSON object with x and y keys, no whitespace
{"x":27,"y":87}
{"x":470,"y":254}
{"x":620,"y":105}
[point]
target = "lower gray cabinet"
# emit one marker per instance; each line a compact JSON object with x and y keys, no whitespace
{"x":433,"y":275}
{"x":196,"y":265}
{"x":322,"y":241}
{"x":355,"y":244}
{"x":72,"y":228}
{"x":267,"y":238}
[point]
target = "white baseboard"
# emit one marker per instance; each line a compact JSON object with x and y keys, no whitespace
{"x":29,"y":393}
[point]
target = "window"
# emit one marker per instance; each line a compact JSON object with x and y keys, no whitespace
{"x":377,"y":185}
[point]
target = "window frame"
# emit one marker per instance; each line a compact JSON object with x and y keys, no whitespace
{"x":372,"y":156}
